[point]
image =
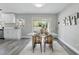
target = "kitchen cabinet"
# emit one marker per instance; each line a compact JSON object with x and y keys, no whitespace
{"x":12,"y":33}
{"x":8,"y":18}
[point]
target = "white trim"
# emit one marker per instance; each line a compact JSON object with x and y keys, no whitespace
{"x":26,"y":36}
{"x":71,"y":47}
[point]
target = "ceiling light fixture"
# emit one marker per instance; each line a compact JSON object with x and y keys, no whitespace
{"x":38,"y":5}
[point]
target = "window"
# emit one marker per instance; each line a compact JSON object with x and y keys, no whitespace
{"x":38,"y":24}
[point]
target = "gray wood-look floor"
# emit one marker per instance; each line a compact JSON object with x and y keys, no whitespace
{"x":12,"y":47}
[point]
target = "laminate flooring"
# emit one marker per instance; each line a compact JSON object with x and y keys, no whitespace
{"x":12,"y":47}
{"x":24,"y":47}
{"x":58,"y":50}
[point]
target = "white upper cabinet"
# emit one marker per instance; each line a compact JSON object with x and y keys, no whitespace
{"x":8,"y":18}
{"x":12,"y":18}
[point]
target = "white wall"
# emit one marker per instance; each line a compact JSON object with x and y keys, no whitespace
{"x":69,"y":34}
{"x":28,"y":22}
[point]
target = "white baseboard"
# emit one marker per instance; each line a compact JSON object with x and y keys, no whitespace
{"x":71,"y":47}
{"x":26,"y":36}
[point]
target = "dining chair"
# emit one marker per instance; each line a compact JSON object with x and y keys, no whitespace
{"x":36,"y":39}
{"x":48,"y":40}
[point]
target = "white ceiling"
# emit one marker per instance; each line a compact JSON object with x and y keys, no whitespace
{"x":30,"y":8}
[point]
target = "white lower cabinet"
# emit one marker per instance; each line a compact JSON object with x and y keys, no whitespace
{"x":12,"y":33}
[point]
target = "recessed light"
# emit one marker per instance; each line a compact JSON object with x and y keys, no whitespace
{"x":38,"y":5}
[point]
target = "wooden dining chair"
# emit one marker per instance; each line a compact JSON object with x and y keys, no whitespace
{"x":48,"y":40}
{"x":36,"y":39}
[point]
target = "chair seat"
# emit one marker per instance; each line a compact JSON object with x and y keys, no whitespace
{"x":38,"y":42}
{"x":46,"y":41}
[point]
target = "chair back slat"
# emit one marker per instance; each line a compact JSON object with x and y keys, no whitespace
{"x":49,"y":38}
{"x":36,"y":38}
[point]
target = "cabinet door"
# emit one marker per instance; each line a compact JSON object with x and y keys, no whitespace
{"x":6,"y":33}
{"x":12,"y":33}
{"x":11,"y":18}
{"x":8,"y":18}
{"x":4,"y":17}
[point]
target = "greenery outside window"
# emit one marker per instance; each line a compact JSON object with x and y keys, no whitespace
{"x":40,"y":23}
{"x":37,"y":25}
